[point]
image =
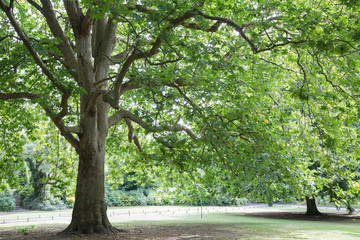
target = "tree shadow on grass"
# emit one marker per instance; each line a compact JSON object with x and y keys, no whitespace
{"x":325,"y":217}
{"x":158,"y":232}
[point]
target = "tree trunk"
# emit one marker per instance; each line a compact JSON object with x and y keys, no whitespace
{"x":311,"y":209}
{"x":89,"y":212}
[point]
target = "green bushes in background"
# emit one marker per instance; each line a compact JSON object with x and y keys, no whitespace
{"x":7,"y":202}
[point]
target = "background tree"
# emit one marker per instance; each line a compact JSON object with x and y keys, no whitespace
{"x":50,"y":169}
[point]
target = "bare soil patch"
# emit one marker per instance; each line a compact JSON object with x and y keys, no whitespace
{"x":153,"y":232}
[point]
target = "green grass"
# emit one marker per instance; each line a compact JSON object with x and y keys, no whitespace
{"x":245,"y":226}
{"x":267,"y":228}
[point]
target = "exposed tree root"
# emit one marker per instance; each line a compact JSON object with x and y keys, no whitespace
{"x":74,"y":230}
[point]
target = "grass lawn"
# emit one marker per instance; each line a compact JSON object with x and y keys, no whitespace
{"x":260,"y":223}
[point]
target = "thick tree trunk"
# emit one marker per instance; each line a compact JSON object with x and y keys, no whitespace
{"x":311,"y":209}
{"x":89,"y":213}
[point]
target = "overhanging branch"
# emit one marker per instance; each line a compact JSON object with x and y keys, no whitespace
{"x":56,"y":118}
{"x":153,"y":51}
{"x":30,"y":48}
{"x":123,"y":114}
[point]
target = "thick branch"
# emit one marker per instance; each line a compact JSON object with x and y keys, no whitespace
{"x":9,"y":96}
{"x":91,"y":105}
{"x":120,"y":78}
{"x":231,"y":23}
{"x":123,"y":114}
{"x":213,"y":28}
{"x":65,"y":47}
{"x":104,"y":40}
{"x":105,"y":48}
{"x":97,"y":35}
{"x":131,"y":135}
{"x":131,"y":129}
{"x":80,"y":23}
{"x":131,"y":85}
{"x":56,"y":118}
{"x":137,"y":143}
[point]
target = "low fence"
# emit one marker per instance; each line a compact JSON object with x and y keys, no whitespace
{"x":49,"y":216}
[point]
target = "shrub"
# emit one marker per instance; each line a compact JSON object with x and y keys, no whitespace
{"x":70,"y":201}
{"x":112,"y":198}
{"x":152,"y":200}
{"x":126,"y":200}
{"x":139,"y":197}
{"x":47,"y":204}
{"x":7,"y":202}
{"x":240,"y":201}
{"x":26,"y":230}
{"x":162,"y":198}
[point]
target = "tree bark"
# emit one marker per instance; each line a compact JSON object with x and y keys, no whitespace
{"x":89,"y":213}
{"x":311,"y":209}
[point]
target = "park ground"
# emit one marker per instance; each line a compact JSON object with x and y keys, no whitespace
{"x":175,"y":223}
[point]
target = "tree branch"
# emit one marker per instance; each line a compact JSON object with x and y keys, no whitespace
{"x":65,"y":47}
{"x":91,"y":104}
{"x":326,"y":77}
{"x":135,"y":56}
{"x":278,"y":65}
{"x":80,"y":23}
{"x":37,"y":6}
{"x":9,"y":96}
{"x":56,"y":118}
{"x":237,"y":27}
{"x":105,"y":47}
{"x":123,"y":114}
{"x":30,"y":48}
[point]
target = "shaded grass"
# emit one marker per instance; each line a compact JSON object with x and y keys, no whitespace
{"x":246,"y":226}
{"x":265,"y":223}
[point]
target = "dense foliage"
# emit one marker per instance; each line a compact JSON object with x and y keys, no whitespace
{"x":7,"y":202}
{"x":256,"y":99}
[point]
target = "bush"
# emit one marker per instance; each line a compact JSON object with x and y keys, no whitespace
{"x":240,"y":201}
{"x":7,"y":202}
{"x":152,"y":200}
{"x":126,"y":200}
{"x":48,"y":204}
{"x":162,"y":198}
{"x":112,"y":197}
{"x":70,"y":201}
{"x":140,"y":198}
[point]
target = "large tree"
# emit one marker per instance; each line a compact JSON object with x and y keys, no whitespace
{"x":155,"y":67}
